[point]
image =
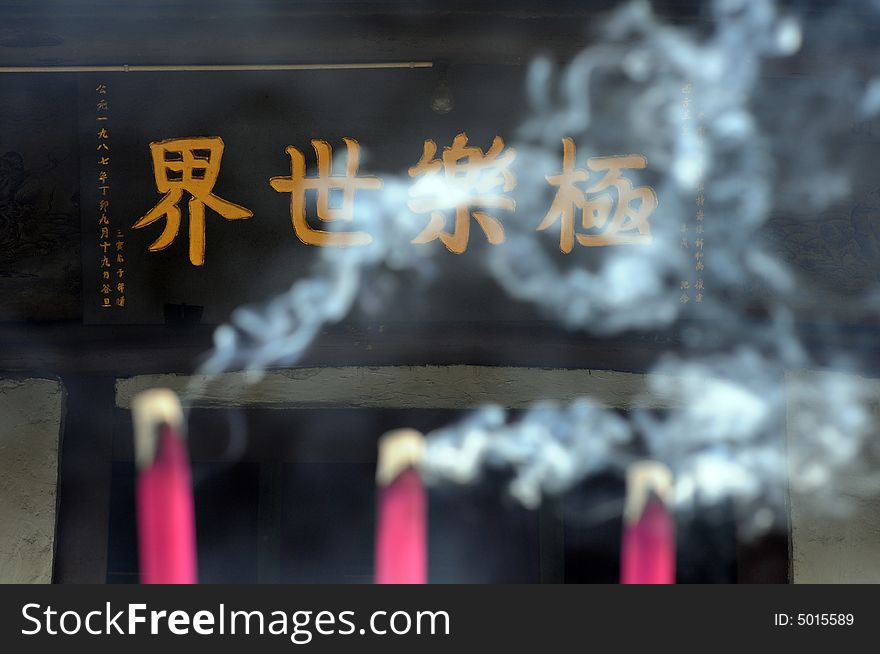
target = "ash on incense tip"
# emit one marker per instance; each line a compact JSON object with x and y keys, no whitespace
{"x":151,"y":410}
{"x":646,"y":480}
{"x":399,"y":450}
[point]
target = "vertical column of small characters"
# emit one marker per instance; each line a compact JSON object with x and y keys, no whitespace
{"x":120,"y":269}
{"x":699,"y":263}
{"x":111,"y":242}
{"x":685,"y":227}
{"x":103,"y":187}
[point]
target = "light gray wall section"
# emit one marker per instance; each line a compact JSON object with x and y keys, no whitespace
{"x":30,"y":428}
{"x":836,"y":549}
{"x":434,"y":387}
{"x":831,"y":545}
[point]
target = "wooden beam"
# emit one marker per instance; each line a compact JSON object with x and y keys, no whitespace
{"x":121,"y":351}
{"x":150,"y":33}
{"x":402,"y":387}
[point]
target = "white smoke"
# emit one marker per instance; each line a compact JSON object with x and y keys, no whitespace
{"x":547,"y":449}
{"x":760,"y":151}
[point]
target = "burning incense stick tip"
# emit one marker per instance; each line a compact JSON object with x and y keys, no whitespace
{"x":645,"y":479}
{"x":150,"y":410}
{"x":399,"y":450}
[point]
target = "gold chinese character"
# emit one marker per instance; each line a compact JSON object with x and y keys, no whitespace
{"x":297,"y":184}
{"x":473,"y":181}
{"x":191,"y":165}
{"x":614,"y":218}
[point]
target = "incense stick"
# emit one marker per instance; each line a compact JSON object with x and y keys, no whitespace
{"x":165,"y":513}
{"x":648,"y":548}
{"x":401,"y":531}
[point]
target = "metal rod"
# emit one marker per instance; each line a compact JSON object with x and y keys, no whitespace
{"x":223,"y":67}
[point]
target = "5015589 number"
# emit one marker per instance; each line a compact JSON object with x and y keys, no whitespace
{"x":814,"y":619}
{"x":825,"y":619}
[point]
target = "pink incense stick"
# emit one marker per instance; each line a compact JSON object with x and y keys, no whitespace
{"x":166,"y":518}
{"x":648,"y":549}
{"x":401,"y":533}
